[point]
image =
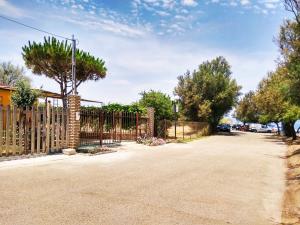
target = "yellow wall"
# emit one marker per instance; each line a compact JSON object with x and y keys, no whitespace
{"x":5,"y":97}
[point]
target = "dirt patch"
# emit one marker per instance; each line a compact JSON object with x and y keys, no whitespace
{"x":291,"y":200}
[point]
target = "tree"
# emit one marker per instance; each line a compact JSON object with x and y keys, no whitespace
{"x":161,"y":103}
{"x":247,"y":110}
{"x":289,"y":44}
{"x":294,"y":7}
{"x":11,"y":74}
{"x":24,"y":96}
{"x":208,"y":93}
{"x":271,"y":98}
{"x":53,"y":59}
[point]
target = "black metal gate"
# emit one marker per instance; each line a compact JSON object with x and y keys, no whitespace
{"x":100,"y":127}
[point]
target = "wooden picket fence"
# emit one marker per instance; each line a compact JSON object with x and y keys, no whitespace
{"x":36,"y":130}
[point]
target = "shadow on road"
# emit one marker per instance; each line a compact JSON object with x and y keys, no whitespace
{"x":273,"y":138}
{"x":234,"y":133}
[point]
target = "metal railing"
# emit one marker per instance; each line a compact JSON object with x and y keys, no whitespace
{"x":100,"y":127}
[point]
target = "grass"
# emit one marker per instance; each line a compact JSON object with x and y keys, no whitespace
{"x":186,"y":140}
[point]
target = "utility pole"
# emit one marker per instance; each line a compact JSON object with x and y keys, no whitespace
{"x":74,"y":92}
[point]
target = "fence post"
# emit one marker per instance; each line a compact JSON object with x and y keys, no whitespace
{"x":101,"y":123}
{"x":7,"y":137}
{"x":165,"y":128}
{"x":1,"y":130}
{"x":150,"y":114}
{"x":175,"y":129}
{"x":136,"y":125}
{"x":74,"y":121}
{"x":183,"y":130}
{"x":120,"y":122}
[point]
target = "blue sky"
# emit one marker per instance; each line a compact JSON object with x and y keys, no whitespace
{"x":146,"y":44}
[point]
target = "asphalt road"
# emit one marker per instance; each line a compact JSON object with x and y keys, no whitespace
{"x":218,"y":180}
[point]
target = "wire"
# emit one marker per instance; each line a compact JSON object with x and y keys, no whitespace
{"x":34,"y":28}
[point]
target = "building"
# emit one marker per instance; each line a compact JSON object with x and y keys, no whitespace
{"x":7,"y":91}
{"x":46,"y":96}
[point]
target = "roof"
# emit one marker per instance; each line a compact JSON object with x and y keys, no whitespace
{"x":6,"y":87}
{"x":48,"y":94}
{"x":45,"y":93}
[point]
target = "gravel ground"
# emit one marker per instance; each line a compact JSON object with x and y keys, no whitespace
{"x":237,"y":179}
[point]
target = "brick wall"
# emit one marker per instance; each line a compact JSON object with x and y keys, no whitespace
{"x":150,"y":115}
{"x":74,"y":121}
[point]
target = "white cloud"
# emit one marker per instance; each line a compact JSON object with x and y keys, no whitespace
{"x":8,"y":9}
{"x":245,"y":2}
{"x":257,"y":6}
{"x":108,"y":25}
{"x":189,"y":2}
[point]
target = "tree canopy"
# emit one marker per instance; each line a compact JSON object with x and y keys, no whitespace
{"x":247,"y":110}
{"x":24,"y":96}
{"x":52,"y":58}
{"x":11,"y":74}
{"x":208,"y":93}
{"x":278,"y":98}
{"x":161,"y":103}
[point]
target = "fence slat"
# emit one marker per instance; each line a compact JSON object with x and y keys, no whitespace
{"x":67,"y":125}
{"x":62,"y":128}
{"x":27,"y":124}
{"x":1,"y":130}
{"x":32,"y":130}
{"x":53,"y":147}
{"x":44,"y":130}
{"x":14,"y":130}
{"x":21,"y":123}
{"x":58,"y":125}
{"x":7,"y":130}
{"x":48,"y":116}
{"x":38,"y":130}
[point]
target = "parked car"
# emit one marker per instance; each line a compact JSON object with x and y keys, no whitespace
{"x":224,"y":128}
{"x":259,"y":128}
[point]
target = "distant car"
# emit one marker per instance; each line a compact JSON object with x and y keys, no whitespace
{"x":261,"y":129}
{"x":238,"y":127}
{"x":224,"y":128}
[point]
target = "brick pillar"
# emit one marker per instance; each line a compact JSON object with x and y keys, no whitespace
{"x":150,"y":115}
{"x":74,"y":121}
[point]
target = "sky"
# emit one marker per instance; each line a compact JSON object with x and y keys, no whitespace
{"x":147,"y":44}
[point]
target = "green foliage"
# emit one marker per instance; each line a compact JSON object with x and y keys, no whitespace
{"x":133,"y":108}
{"x":53,"y":58}
{"x":209,"y":92}
{"x":271,"y":96}
{"x":292,"y":114}
{"x":24,"y":96}
{"x":247,"y":110}
{"x":161,"y":103}
{"x":11,"y":74}
{"x":117,"y":107}
{"x":289,"y":44}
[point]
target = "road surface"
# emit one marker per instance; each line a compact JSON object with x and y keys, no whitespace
{"x":217,"y":180}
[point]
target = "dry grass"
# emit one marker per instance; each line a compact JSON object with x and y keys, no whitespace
{"x":291,"y":200}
